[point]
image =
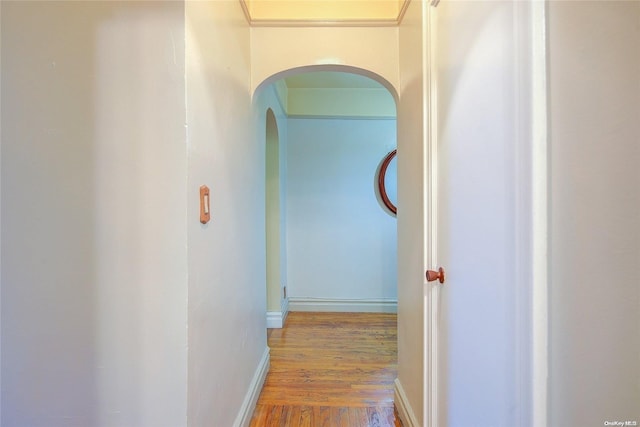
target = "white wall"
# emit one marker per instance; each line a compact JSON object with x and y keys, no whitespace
{"x":94,"y":301}
{"x":274,"y":50}
{"x":411,"y":231}
{"x":341,"y":244}
{"x":227,"y":325}
{"x":594,"y":106}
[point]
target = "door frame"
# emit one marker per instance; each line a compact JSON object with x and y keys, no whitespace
{"x":432,"y":291}
{"x":531,"y":212}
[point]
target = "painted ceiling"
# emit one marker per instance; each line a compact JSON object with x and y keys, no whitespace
{"x":324,"y":12}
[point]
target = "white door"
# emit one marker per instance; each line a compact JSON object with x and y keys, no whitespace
{"x":479,"y":177}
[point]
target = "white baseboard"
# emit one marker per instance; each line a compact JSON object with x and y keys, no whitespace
{"x":249,"y":404}
{"x":275,"y":319}
{"x":378,"y":305}
{"x":407,"y":416}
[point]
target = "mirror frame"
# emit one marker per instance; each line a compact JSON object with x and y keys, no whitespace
{"x":381,"y":184}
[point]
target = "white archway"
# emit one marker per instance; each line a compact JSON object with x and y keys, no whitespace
{"x":381,"y":293}
{"x":328,"y":67}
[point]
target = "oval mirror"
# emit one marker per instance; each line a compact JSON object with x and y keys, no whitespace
{"x":387,"y":183}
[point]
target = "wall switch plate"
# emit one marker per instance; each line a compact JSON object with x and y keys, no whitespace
{"x":205,"y":214}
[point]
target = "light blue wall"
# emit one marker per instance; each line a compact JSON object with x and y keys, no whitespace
{"x":340,"y":242}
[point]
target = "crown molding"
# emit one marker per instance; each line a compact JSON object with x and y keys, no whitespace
{"x":390,"y":22}
{"x":403,"y":10}
{"x":341,"y":102}
{"x":245,"y":10}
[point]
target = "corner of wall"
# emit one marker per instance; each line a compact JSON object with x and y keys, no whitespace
{"x":253,"y":393}
{"x":402,"y":405}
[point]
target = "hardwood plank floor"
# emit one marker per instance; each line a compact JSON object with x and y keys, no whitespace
{"x":331,"y":369}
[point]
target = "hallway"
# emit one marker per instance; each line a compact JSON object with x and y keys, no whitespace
{"x":331,"y":369}
{"x":518,"y":138}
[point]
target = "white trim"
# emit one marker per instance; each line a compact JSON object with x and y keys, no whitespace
{"x":346,"y":117}
{"x":522,"y":225}
{"x":275,"y":319}
{"x":432,"y":292}
{"x":245,"y":11}
{"x":388,"y":22}
{"x":530,"y":308}
{"x":407,"y":416}
{"x":249,"y":404}
{"x":379,"y":22}
{"x":403,"y":11}
{"x":540,"y":280}
{"x":372,"y":305}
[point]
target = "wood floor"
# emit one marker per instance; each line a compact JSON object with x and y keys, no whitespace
{"x":331,"y":369}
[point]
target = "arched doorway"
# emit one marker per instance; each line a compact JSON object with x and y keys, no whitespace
{"x":339,"y":126}
{"x":337,"y":234}
{"x":275,"y":289}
